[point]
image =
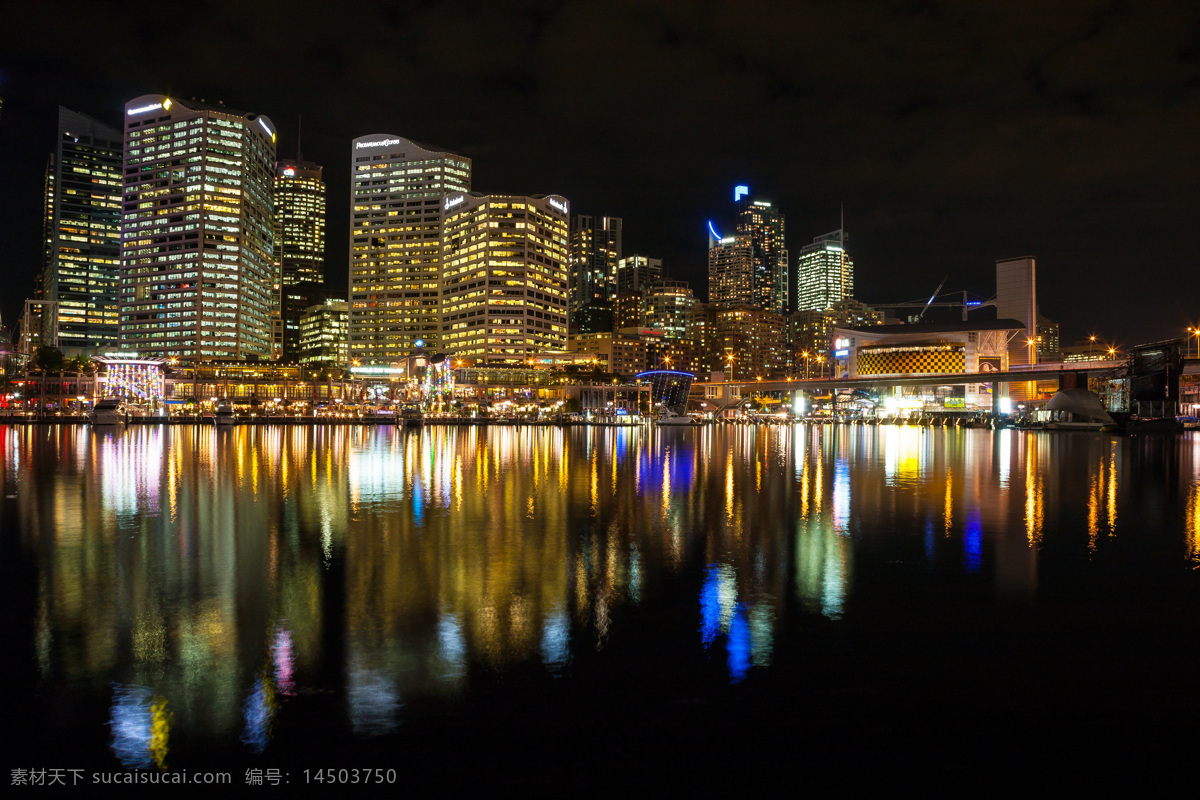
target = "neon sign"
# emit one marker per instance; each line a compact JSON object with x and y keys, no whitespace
{"x":713,"y":231}
{"x":289,"y":172}
{"x":560,"y":206}
{"x":380,"y":143}
{"x":739,"y":192}
{"x":451,"y":202}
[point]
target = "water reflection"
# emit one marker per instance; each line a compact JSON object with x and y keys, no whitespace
{"x":231,"y":570}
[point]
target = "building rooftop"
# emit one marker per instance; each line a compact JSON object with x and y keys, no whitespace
{"x":942,"y":327}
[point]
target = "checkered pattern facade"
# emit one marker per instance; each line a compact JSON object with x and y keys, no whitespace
{"x":911,"y":360}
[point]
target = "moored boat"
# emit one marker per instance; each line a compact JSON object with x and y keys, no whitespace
{"x":671,"y":419}
{"x":411,"y":415}
{"x":109,"y":411}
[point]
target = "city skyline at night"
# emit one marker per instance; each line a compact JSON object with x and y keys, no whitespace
{"x":949,"y":147}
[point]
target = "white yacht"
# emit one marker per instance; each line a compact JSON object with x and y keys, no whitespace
{"x":225,"y":414}
{"x":669,"y":417}
{"x":109,"y":411}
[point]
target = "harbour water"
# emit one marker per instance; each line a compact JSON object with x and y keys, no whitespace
{"x":572,"y":608}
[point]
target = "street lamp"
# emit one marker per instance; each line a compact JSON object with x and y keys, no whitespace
{"x":805,"y":365}
{"x":1093,"y":351}
{"x":1196,"y":333}
{"x":729,"y":358}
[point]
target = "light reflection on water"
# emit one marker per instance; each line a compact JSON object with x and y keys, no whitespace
{"x":226,"y":568}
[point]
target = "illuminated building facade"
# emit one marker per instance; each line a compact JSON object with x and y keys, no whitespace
{"x":395,"y":250}
{"x":83,"y":232}
{"x":750,"y":267}
{"x":638,"y":273}
{"x":504,"y":277}
{"x":930,"y":348}
{"x":595,"y":253}
{"x":730,"y":271}
{"x":1047,"y":340}
{"x":627,"y":311}
{"x":667,"y":307}
{"x":762,"y":226}
{"x":623,"y":353}
{"x":196,"y":241}
{"x":299,"y":225}
{"x":810,"y":333}
{"x":132,"y":378}
{"x":323,"y":334}
{"x":755,"y":340}
{"x":824,"y":273}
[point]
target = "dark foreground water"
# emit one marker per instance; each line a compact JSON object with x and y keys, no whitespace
{"x":591,"y":610}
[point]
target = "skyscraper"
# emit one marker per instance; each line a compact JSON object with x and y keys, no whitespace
{"x":761,"y":224}
{"x":824,"y":273}
{"x":638,"y":273}
{"x":731,"y":271}
{"x":750,"y":267}
{"x":595,"y":252}
{"x":196,"y":239}
{"x":299,"y":225}
{"x":395,"y":250}
{"x":504,"y":277}
{"x":81,"y":269}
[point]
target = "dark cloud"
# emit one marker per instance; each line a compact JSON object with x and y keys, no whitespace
{"x":954,"y":133}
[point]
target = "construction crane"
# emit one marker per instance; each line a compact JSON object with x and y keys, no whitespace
{"x":966,"y":304}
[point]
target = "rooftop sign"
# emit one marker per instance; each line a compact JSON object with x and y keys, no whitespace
{"x":165,"y":105}
{"x":560,"y":206}
{"x":379,"y":143}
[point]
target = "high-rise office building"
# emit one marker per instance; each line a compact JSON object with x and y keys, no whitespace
{"x":504,"y":277}
{"x":82,"y":256}
{"x":299,"y":224}
{"x":323,"y":334}
{"x":824,"y":273}
{"x":750,"y":267}
{"x":595,"y":244}
{"x":196,"y":240}
{"x":395,"y":250}
{"x":637,"y":274}
{"x":667,"y":307}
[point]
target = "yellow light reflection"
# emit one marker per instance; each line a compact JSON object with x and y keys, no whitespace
{"x":1034,"y":506}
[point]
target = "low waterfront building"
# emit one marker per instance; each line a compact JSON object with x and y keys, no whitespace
{"x":929,"y":348}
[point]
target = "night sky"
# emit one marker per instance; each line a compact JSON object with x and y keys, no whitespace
{"x":953,"y":133}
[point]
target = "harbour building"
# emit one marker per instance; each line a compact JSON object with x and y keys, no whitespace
{"x":197,"y":246}
{"x":397,"y":188}
{"x":504,"y":277}
{"x":299,"y":225}
{"x":82,"y":256}
{"x":824,"y":273}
